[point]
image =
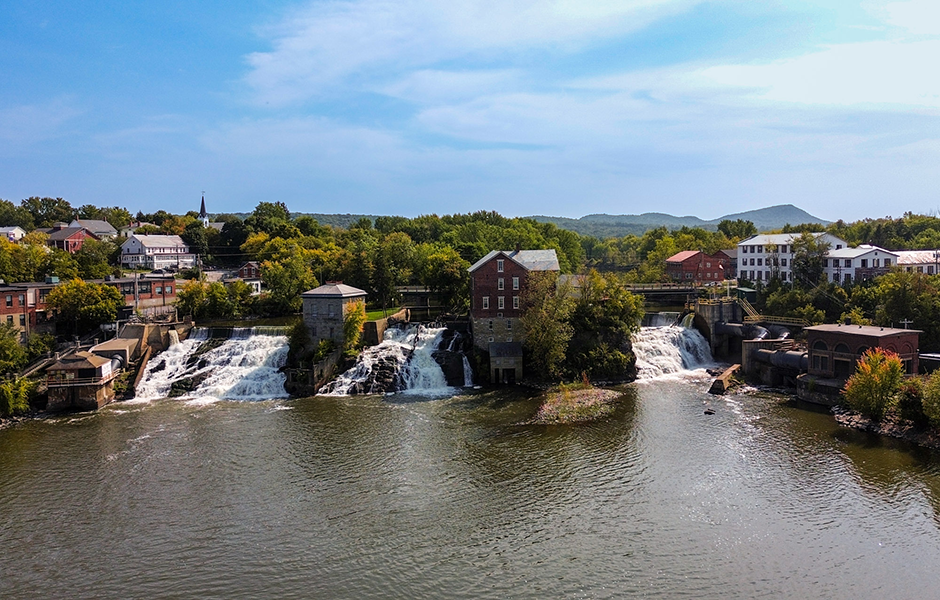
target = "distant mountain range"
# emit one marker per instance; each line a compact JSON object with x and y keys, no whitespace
{"x":604,"y":226}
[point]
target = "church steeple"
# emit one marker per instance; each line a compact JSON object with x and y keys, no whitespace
{"x":203,"y":215}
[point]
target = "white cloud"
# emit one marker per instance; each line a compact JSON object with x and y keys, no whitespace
{"x":27,"y":124}
{"x":327,"y":43}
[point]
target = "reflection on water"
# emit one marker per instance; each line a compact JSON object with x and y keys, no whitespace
{"x":403,"y":497}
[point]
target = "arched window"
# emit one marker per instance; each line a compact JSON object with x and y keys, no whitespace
{"x":820,"y":345}
{"x":840,"y":347}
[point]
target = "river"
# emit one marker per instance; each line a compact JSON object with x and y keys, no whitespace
{"x":450,"y":497}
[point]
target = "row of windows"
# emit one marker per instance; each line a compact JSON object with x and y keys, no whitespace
{"x":508,"y":325}
{"x":500,"y":302}
{"x":22,"y":320}
{"x":920,"y":269}
{"x":22,"y":299}
{"x":875,"y":262}
{"x":760,"y":262}
{"x":144,"y":288}
{"x":501,"y":283}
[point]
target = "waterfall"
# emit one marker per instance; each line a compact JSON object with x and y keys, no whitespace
{"x":670,"y":350}
{"x":404,"y":361}
{"x":660,"y":319}
{"x":244,"y":366}
{"x":467,"y":372}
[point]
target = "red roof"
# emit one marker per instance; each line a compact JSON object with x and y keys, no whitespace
{"x":683,"y":256}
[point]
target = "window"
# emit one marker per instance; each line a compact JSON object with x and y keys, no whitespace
{"x":499,"y":265}
{"x":752,"y":262}
{"x":920,"y":269}
{"x":9,"y":300}
{"x":486,"y":302}
{"x":688,"y":276}
{"x":864,"y":263}
{"x":848,"y":262}
{"x":875,"y":262}
{"x":500,"y":284}
{"x":515,"y":302}
{"x":168,"y":290}
{"x":144,"y":288}
{"x":708,"y":265}
{"x":744,"y":249}
{"x":760,"y":249}
{"x":783,"y":248}
{"x":501,"y":302}
{"x":783,"y":262}
{"x":9,"y":319}
{"x":760,"y":262}
{"x":508,"y":324}
{"x":708,"y":275}
{"x":826,"y":262}
{"x":515,"y":283}
{"x":22,"y":300}
{"x":490,"y":324}
{"x":887,"y":262}
{"x":22,"y":320}
{"x":159,"y":290}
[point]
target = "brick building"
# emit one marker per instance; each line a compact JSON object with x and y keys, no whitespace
{"x":698,"y":267}
{"x":834,"y":350}
{"x":69,"y":239}
{"x":325,"y":307}
{"x":497,"y":281}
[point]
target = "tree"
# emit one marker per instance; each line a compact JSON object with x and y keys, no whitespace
{"x":545,"y":327}
{"x":353,"y":321}
{"x":95,"y":258}
{"x":15,"y":394}
{"x":931,"y":398}
{"x":12,"y":353}
{"x":191,"y":298}
{"x":286,"y":280}
{"x":739,"y":228}
{"x":195,"y":237}
{"x":394,"y":259}
{"x":445,"y":272}
{"x":875,"y":383}
{"x":46,"y":211}
{"x":809,"y":252}
{"x":12,"y":215}
{"x":85,"y":305}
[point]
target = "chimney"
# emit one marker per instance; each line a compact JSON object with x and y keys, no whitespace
{"x":518,"y":247}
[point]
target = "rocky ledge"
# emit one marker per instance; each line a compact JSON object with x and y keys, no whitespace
{"x":891,"y":426}
{"x":575,"y":406}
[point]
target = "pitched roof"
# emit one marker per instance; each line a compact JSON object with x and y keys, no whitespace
{"x":157,"y":241}
{"x":683,"y":256}
{"x":79,"y":360}
{"x":770,"y":239}
{"x":96,"y":226}
{"x":857,"y":251}
{"x":333,"y":290}
{"x":918,"y":257}
{"x":64,"y":234}
{"x":530,"y":260}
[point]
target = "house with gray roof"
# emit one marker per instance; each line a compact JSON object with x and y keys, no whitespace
{"x":102,"y":229}
{"x":156,"y":252}
{"x":325,"y":308}
{"x":497,"y":282}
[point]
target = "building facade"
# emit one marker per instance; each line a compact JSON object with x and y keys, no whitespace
{"x":156,"y":252}
{"x":497,"y":282}
{"x":848,"y":265}
{"x":769,"y":256}
{"x":697,"y":267}
{"x":834,"y":350}
{"x":325,"y":307}
{"x":919,"y":261}
{"x":12,"y":234}
{"x":69,"y":239}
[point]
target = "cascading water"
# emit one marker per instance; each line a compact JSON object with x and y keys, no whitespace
{"x":244,"y":366}
{"x":404,"y":361}
{"x":669,"y":350}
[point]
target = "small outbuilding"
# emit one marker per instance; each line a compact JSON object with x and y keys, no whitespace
{"x":505,"y":362}
{"x":834,"y":350}
{"x":325,"y":307}
{"x":82,"y":381}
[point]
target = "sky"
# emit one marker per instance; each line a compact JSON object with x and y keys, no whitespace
{"x":410,"y":107}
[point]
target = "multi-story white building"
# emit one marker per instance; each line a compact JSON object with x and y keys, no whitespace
{"x":919,"y":261}
{"x":156,"y":252}
{"x":766,"y":256}
{"x":846,"y":265}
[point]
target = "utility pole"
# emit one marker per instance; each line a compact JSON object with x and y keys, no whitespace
{"x":906,"y":322}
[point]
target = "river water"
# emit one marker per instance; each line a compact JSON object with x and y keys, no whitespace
{"x":451,"y":497}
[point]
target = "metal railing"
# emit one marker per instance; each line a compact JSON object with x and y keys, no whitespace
{"x":53,"y":381}
{"x":776,"y":320}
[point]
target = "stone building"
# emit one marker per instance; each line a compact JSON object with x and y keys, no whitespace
{"x":497,"y":282}
{"x":82,"y":381}
{"x":325,"y":307}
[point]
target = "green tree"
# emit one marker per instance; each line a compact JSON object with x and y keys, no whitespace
{"x":12,"y":215}
{"x":46,"y":211}
{"x":95,"y":258}
{"x":12,"y":353}
{"x":875,"y":383}
{"x":15,"y":394}
{"x":809,"y":254}
{"x":84,"y":305}
{"x":931,"y":398}
{"x":191,"y":298}
{"x":737,"y":229}
{"x":353,"y":320}
{"x":545,"y":327}
{"x":286,"y":280}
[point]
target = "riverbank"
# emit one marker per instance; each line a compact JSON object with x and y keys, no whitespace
{"x":891,"y":426}
{"x":566,"y":405}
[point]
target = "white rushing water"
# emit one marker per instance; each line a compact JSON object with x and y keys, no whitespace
{"x":670,"y":350}
{"x":407,"y":352}
{"x":243,"y":367}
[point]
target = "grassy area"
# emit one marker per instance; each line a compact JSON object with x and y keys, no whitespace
{"x":576,"y":403}
{"x":373,"y":315}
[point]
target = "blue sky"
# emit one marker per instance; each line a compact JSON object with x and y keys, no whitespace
{"x":565,"y":107}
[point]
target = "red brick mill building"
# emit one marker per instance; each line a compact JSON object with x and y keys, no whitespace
{"x":497,"y":281}
{"x":694,"y":266}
